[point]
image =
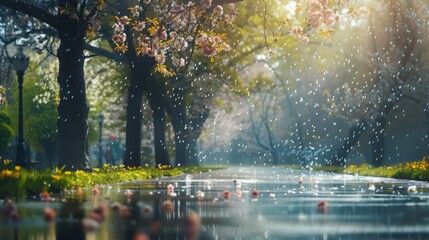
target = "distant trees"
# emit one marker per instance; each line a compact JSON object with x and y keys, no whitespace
{"x":395,"y":71}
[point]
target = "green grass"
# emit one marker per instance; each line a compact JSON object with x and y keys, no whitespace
{"x":16,"y":182}
{"x":416,"y":170}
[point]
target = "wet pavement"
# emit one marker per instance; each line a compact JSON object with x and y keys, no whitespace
{"x":236,"y":203}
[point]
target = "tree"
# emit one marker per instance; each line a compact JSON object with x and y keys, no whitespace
{"x":72,"y":20}
{"x":391,"y":76}
{"x":153,"y":46}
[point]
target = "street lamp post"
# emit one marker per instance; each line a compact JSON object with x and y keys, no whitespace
{"x":100,"y":119}
{"x":20,"y":63}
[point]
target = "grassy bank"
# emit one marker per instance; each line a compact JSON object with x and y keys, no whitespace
{"x":417,"y":170}
{"x":16,"y":182}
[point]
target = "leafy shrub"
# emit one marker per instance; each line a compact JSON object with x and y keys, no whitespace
{"x":6,"y":131}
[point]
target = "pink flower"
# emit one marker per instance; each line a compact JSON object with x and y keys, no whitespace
{"x":151,"y":53}
{"x":118,"y":27}
{"x":170,"y":188}
{"x":162,"y":35}
{"x":49,"y":214}
{"x":119,"y":37}
{"x":206,"y":3}
{"x":180,"y":44}
{"x":209,"y":51}
{"x":218,"y":11}
{"x":160,"y":58}
{"x":296,"y":30}
{"x":315,"y":19}
{"x":323,"y":2}
{"x":124,"y":20}
{"x":231,"y":6}
{"x":173,"y":35}
{"x":139,"y":26}
{"x":200,"y":194}
{"x":178,"y":62}
{"x":217,"y":39}
{"x":226,"y":194}
{"x":315,"y":6}
{"x":135,"y":11}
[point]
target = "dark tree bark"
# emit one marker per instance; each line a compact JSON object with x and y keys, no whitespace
{"x":73,"y":108}
{"x":187,"y":127}
{"x":196,"y":126}
{"x":132,"y":155}
{"x":140,"y":69}
{"x":341,"y":154}
{"x":157,"y":105}
{"x":178,"y":113}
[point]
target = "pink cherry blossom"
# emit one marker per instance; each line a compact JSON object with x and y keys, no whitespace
{"x":119,"y":37}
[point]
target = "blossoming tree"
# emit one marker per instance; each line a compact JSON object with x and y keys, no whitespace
{"x":165,"y":34}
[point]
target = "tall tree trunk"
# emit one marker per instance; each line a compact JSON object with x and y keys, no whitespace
{"x":186,"y":132}
{"x":140,"y":69}
{"x":196,"y":125}
{"x":341,"y":154}
{"x":179,"y":128}
{"x":160,"y":144}
{"x":73,"y":108}
{"x":192,"y":158}
{"x":133,"y":135}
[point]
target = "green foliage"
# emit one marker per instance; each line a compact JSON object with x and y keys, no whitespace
{"x":368,"y":170}
{"x":6,"y":131}
{"x":416,"y":170}
{"x":17,"y":182}
{"x":40,"y":102}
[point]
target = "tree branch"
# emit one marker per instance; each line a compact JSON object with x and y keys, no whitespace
{"x":31,"y":10}
{"x":115,"y":56}
{"x":223,"y":2}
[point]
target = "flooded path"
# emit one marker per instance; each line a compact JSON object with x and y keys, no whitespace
{"x":237,"y":203}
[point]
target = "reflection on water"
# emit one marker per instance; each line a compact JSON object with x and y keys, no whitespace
{"x":239,"y":203}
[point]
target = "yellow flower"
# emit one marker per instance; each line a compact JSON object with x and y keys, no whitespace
{"x":5,"y":173}
{"x":67,"y":172}
{"x":96,"y":169}
{"x":56,"y":177}
{"x":17,"y":168}
{"x":114,"y":167}
{"x":79,"y":172}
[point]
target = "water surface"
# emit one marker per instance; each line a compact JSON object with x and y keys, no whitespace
{"x":238,"y":203}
